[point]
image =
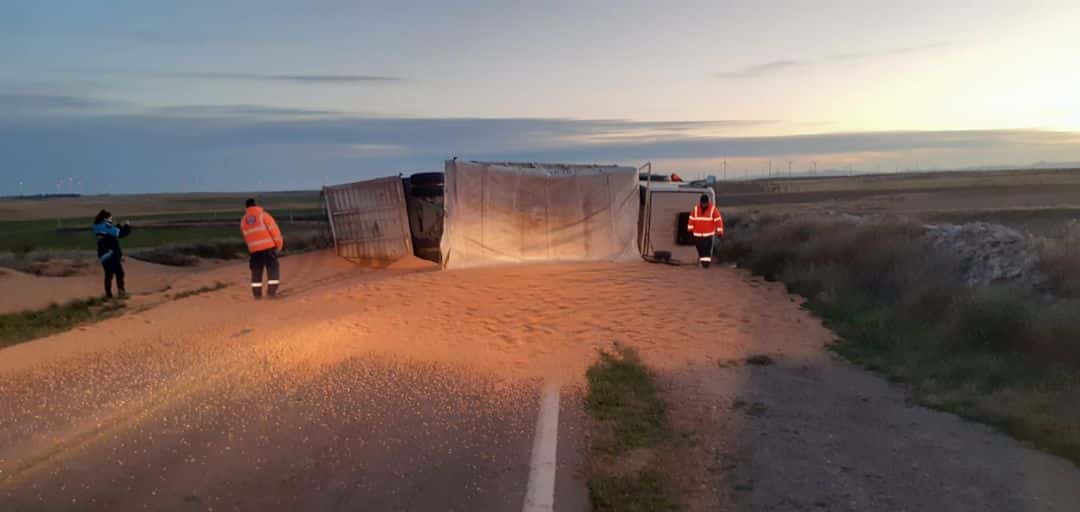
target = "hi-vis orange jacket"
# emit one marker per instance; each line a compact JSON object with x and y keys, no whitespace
{"x":260,"y":230}
{"x":706,"y":222}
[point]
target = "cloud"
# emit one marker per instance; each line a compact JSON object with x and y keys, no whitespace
{"x":222,"y":147}
{"x":247,"y":111}
{"x":13,"y":102}
{"x":758,"y":70}
{"x":889,"y":52}
{"x":146,"y":37}
{"x":326,"y":79}
{"x":778,"y":66}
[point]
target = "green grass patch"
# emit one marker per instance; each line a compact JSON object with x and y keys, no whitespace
{"x":199,"y":291}
{"x":27,"y":325}
{"x":631,"y":438}
{"x":21,"y":237}
{"x":185,"y":255}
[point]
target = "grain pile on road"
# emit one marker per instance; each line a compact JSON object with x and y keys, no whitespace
{"x":407,"y":387}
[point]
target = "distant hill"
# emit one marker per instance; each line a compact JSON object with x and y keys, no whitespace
{"x":43,"y":196}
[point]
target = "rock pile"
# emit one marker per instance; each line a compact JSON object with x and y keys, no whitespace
{"x":988,"y":253}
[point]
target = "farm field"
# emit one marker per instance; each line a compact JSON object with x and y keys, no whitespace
{"x":1037,"y":201}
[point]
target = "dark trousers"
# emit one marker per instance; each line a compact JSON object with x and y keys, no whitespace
{"x":113,"y":268}
{"x":704,"y":250}
{"x":264,"y":260}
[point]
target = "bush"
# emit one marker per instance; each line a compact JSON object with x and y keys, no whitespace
{"x":226,"y":249}
{"x":190,"y":254}
{"x":51,"y":263}
{"x":309,"y":242}
{"x":217,"y":250}
{"x":1059,"y":260}
{"x":1055,"y":333}
{"x":167,"y":256}
{"x":993,"y":320}
{"x":21,"y":249}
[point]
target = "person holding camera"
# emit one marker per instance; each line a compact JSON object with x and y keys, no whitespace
{"x":108,"y":249}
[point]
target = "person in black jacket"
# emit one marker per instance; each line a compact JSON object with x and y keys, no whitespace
{"x":108,"y":250}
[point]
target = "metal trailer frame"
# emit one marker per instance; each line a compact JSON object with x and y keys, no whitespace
{"x":369,"y":219}
{"x":674,"y":187}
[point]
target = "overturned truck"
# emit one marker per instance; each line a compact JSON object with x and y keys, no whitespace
{"x":494,"y":213}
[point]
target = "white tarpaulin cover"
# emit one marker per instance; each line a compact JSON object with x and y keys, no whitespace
{"x":502,"y":213}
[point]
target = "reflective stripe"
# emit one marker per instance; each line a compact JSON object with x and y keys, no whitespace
{"x":273,"y":281}
{"x":702,"y":235}
{"x":705,"y":258}
{"x":256,"y":285}
{"x":700,"y":218}
{"x":261,"y":242}
{"x":105,"y":256}
{"x":254,"y":230}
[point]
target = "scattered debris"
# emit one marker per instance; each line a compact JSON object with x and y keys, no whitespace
{"x":752,"y":408}
{"x":760,"y":360}
{"x":728,"y":363}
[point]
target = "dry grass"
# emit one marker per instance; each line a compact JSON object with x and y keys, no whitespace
{"x":1059,"y":260}
{"x":902,"y":309}
{"x":218,"y":285}
{"x":186,"y":255}
{"x":49,"y":263}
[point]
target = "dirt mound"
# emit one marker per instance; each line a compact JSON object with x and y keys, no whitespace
{"x":988,"y":253}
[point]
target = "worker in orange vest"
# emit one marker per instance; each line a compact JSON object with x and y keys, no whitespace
{"x":263,"y":238}
{"x":705,"y":224}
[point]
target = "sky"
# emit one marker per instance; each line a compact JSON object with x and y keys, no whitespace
{"x":143,"y":96}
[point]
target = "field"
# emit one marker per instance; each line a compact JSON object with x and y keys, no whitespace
{"x":81,"y":210}
{"x":60,"y":227}
{"x":1037,"y":201}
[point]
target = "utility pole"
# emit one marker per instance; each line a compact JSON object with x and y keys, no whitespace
{"x":789,"y":168}
{"x":725,"y":170}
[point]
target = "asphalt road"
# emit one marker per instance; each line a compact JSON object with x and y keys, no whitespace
{"x":367,"y":434}
{"x":185,"y":407}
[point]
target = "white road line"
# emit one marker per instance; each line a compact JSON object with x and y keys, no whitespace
{"x":540,"y":494}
